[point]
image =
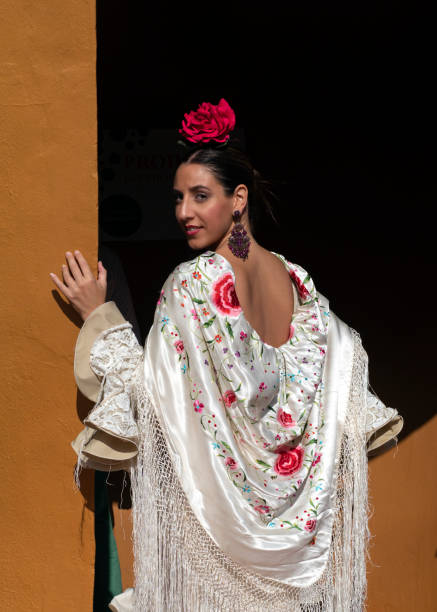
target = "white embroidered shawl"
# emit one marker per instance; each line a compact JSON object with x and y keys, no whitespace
{"x":248,"y":462}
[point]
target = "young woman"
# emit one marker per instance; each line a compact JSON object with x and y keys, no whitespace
{"x":246,"y":418}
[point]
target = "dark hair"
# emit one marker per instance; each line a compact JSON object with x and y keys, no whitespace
{"x":231,"y":167}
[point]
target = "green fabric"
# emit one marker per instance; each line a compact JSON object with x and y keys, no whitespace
{"x":107,"y":574}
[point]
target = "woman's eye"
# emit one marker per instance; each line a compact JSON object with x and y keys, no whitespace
{"x":201,"y":196}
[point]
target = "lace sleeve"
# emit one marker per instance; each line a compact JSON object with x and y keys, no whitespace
{"x":110,"y":438}
{"x":383,"y":423}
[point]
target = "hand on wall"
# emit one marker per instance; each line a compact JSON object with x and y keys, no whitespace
{"x":82,"y":290}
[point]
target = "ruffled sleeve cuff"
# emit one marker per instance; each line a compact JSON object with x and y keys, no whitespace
{"x":113,"y":356}
{"x":103,"y":317}
{"x":98,"y":450}
{"x":383,"y":424}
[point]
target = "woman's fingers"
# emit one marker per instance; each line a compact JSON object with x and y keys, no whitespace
{"x":60,"y":285}
{"x":101,"y":270}
{"x":76,"y":272}
{"x":86,"y":270}
{"x":68,"y":279}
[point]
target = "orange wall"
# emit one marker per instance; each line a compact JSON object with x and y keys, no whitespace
{"x":402,"y":575}
{"x":48,"y":136}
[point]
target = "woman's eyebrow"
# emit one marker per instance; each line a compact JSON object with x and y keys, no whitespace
{"x":198,"y":187}
{"x":195,"y":188}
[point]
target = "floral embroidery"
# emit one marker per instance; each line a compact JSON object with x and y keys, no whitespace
{"x":285,"y":418}
{"x":290,"y":461}
{"x":231,"y":463}
{"x":229,"y":398}
{"x":224,"y":297}
{"x":198,"y":407}
{"x":287,"y":380}
{"x":262,"y":509}
{"x":179,"y":346}
{"x":302,"y":290}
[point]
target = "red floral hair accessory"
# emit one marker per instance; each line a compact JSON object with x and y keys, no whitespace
{"x":210,"y":123}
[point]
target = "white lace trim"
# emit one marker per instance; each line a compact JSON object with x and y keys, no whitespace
{"x":114,"y":357}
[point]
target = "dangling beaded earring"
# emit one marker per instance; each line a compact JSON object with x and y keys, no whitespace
{"x":239,"y":241}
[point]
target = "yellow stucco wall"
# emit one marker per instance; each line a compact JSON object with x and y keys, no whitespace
{"x":48,"y":177}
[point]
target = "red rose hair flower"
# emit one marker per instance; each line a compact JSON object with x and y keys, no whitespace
{"x":209,"y":123}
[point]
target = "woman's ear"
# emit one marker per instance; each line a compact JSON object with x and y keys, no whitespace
{"x":240,"y":198}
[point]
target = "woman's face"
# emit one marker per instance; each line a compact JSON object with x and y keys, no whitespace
{"x":201,"y":202}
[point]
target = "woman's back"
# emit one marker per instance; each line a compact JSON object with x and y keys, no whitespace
{"x":265,"y":293}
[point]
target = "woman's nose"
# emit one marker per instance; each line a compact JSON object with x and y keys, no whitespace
{"x":184,"y":209}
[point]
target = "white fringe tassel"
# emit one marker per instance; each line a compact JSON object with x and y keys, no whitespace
{"x":178,"y":567}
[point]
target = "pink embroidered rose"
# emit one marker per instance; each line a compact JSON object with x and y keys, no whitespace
{"x":285,"y":419}
{"x":262,"y":509}
{"x":303,"y":291}
{"x":231,"y":463}
{"x":262,"y":386}
{"x":289,"y":461}
{"x":229,"y":398}
{"x":310,"y":525}
{"x":179,"y":346}
{"x":224,"y":297}
{"x":209,"y":122}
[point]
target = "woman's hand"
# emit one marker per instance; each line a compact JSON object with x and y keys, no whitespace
{"x":81,"y":289}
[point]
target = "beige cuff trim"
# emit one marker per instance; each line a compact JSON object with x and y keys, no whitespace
{"x":103,"y":317}
{"x":104,"y":452}
{"x":385,"y":433}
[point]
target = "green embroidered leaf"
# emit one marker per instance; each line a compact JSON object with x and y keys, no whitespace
{"x":238,"y":388}
{"x":297,"y":527}
{"x":226,"y":446}
{"x":226,"y":378}
{"x":312,"y":441}
{"x":197,"y":301}
{"x":229,"y":328}
{"x":210,"y":322}
{"x":263,"y":463}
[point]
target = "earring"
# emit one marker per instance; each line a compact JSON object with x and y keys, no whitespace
{"x":239,"y":241}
